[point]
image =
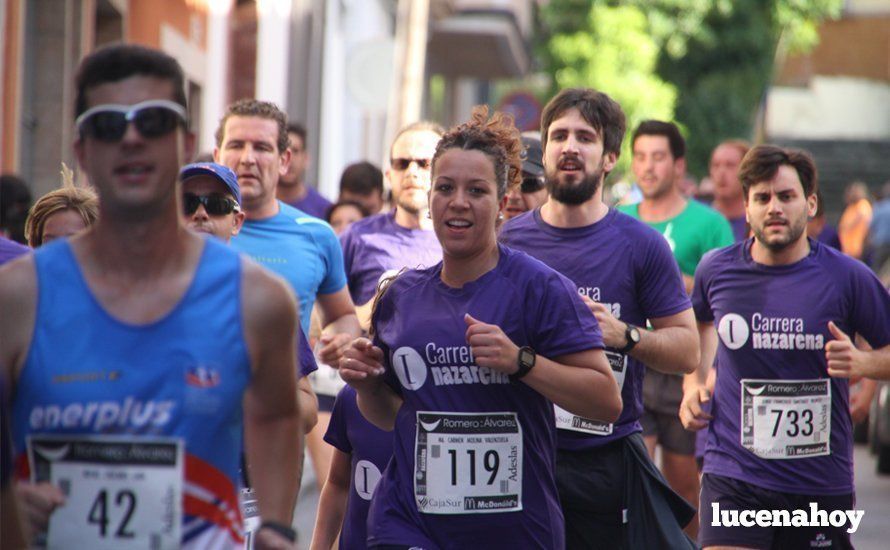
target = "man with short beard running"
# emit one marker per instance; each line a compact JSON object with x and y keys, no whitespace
{"x":611,"y":493}
{"x":786,"y":309}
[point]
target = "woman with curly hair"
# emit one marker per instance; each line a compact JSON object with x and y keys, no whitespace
{"x":61,"y":213}
{"x":467,"y":359}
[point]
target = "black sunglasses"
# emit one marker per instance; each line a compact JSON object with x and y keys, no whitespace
{"x":152,"y":119}
{"x":215,"y":205}
{"x":532,"y":184}
{"x":403,"y":164}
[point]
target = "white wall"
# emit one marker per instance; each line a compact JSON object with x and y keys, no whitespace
{"x":349,"y":131}
{"x":867,"y":7}
{"x":273,"y":37}
{"x":216,"y":78}
{"x":830,"y":108}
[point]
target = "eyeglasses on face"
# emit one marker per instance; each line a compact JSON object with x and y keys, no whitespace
{"x":214,"y":205}
{"x":401,"y":164}
{"x":153,"y":118}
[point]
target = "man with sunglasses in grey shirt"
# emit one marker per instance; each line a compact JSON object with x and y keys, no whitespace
{"x":379,"y":246}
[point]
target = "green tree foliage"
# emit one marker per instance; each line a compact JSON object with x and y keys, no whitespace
{"x":704,"y":63}
{"x":621,"y":63}
{"x":723,"y":77}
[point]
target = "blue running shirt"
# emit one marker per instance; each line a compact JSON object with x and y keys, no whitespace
{"x":139,"y":424}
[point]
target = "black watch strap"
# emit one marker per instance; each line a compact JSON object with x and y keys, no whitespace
{"x":285,"y":531}
{"x":629,"y":331}
{"x":526,"y":361}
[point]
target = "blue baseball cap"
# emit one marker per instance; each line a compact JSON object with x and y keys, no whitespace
{"x":218,"y":171}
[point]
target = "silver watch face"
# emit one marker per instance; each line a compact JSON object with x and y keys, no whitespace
{"x":526,"y":357}
{"x":635,"y":335}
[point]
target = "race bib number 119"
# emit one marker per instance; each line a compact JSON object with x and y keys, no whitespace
{"x":120,"y":494}
{"x":468,"y":463}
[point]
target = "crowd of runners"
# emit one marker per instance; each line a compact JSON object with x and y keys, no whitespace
{"x":492,"y":357}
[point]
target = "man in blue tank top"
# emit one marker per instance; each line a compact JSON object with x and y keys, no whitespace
{"x":140,"y":352}
{"x":211,"y":200}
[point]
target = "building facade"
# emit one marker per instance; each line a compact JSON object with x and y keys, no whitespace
{"x":352,"y":71}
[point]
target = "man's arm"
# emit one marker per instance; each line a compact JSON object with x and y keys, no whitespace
{"x":688,"y":282}
{"x":845,"y":360}
{"x":308,"y":405}
{"x":860,"y":401}
{"x":695,"y":384}
{"x":18,"y":312}
{"x":10,"y":521}
{"x":272,"y":429}
{"x":708,"y":344}
{"x":340,"y":325}
{"x":672,"y":347}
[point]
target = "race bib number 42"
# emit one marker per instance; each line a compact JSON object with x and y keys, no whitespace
{"x":786,"y":418}
{"x":572,"y":422}
{"x":120,"y":494}
{"x":468,"y":463}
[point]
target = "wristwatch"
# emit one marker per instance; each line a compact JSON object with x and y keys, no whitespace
{"x":526,"y":361}
{"x":632,"y":335}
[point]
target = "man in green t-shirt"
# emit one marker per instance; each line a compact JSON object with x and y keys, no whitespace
{"x":691,"y":229}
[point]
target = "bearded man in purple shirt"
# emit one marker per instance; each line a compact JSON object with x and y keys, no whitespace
{"x":785,"y":308}
{"x":611,"y":494}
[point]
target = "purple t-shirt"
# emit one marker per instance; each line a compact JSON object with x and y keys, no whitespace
{"x":779,"y":421}
{"x":623,"y":264}
{"x":313,"y":203}
{"x":370,"y":449}
{"x":474,"y":453}
{"x":739,"y":228}
{"x":829,"y":236}
{"x":304,"y":355}
{"x":9,"y":250}
{"x":377,"y":246}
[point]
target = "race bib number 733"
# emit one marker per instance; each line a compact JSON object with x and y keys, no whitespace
{"x":783,"y":419}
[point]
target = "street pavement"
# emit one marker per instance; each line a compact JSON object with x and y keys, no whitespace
{"x":304,"y":515}
{"x":872,"y":495}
